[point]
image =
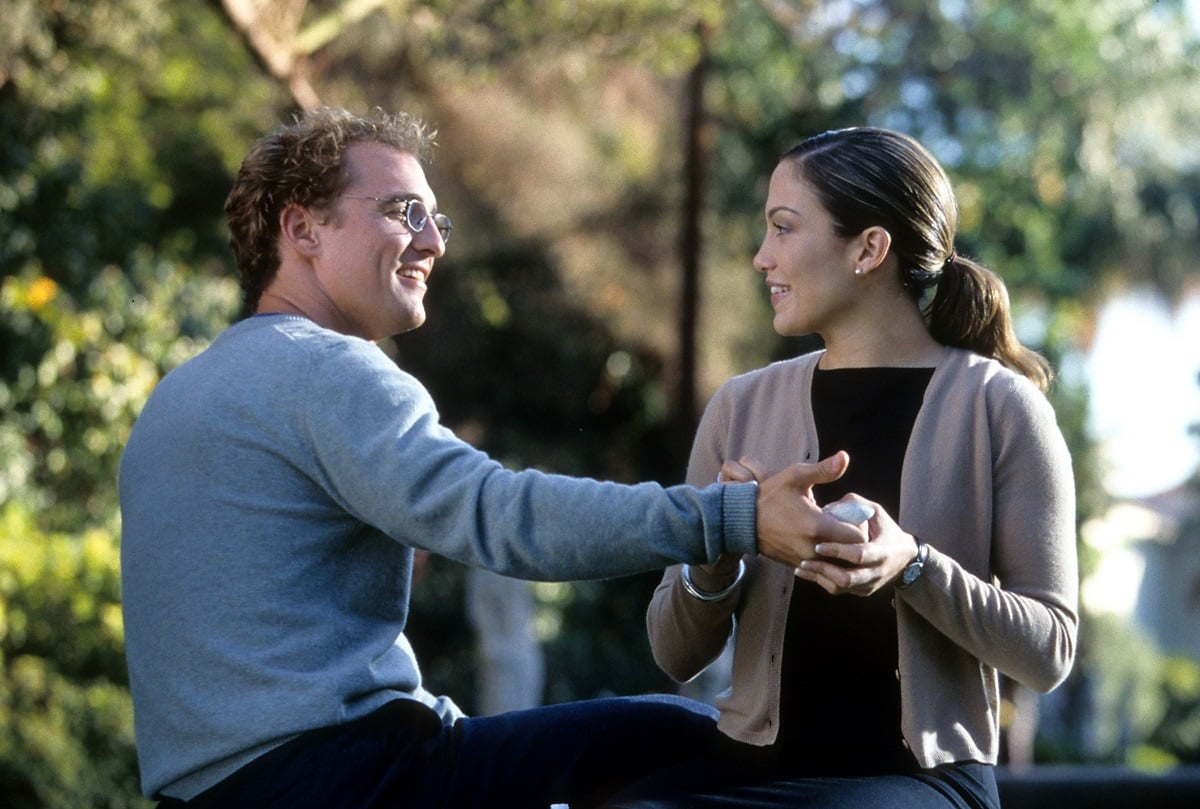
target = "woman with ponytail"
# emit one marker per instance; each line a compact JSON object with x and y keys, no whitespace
{"x":868,"y":676}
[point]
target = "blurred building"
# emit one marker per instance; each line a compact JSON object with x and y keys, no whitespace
{"x":1140,"y":598}
{"x":1148,"y":568}
{"x":1168,"y":602}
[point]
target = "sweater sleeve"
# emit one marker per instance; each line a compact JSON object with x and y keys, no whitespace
{"x":381,"y":451}
{"x":1022,"y":620}
{"x":687,"y":634}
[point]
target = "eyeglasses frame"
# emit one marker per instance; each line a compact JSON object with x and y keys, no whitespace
{"x":440,"y":220}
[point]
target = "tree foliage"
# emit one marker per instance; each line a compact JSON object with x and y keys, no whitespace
{"x":66,"y":722}
{"x":1067,"y":129}
{"x":120,"y":124}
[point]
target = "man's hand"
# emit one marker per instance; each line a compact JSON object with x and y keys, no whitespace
{"x":789,"y":522}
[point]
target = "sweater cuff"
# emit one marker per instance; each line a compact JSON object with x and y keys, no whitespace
{"x":739,"y":515}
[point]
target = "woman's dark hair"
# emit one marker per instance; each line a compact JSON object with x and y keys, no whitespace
{"x":301,"y":163}
{"x":865,"y":177}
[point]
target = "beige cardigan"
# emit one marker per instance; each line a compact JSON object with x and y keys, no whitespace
{"x":986,"y":483}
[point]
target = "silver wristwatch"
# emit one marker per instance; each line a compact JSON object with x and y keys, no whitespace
{"x":913,"y":570}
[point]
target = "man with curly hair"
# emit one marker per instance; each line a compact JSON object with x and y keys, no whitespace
{"x":275,"y":487}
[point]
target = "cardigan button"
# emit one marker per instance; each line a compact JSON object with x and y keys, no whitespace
{"x":897,"y":674}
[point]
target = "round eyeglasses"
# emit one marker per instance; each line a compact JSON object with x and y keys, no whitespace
{"x":411,"y":212}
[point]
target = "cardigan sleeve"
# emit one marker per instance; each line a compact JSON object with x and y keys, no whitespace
{"x":687,"y":634}
{"x":1020,"y":617}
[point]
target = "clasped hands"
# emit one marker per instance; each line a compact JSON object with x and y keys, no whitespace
{"x":793,"y":529}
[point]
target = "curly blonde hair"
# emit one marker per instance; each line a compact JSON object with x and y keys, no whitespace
{"x":301,"y":163}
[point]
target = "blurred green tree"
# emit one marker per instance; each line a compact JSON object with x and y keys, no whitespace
{"x":552,"y":340}
{"x":66,"y":723}
{"x":120,"y":125}
{"x":119,"y":132}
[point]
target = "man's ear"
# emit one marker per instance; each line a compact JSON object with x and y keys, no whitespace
{"x":872,"y":246}
{"x":297,"y":229}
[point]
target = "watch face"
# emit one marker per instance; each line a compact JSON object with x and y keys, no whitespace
{"x":911,"y":573}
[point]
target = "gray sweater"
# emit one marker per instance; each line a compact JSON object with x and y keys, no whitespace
{"x":272,"y":492}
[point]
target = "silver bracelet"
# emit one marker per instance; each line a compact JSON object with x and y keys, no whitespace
{"x":696,"y":592}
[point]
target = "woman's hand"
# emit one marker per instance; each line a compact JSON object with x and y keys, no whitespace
{"x":862,"y":568}
{"x":744,"y":470}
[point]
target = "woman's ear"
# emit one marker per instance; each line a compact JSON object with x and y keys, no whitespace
{"x":872,"y":246}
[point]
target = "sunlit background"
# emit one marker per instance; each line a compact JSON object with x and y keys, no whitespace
{"x":1144,"y":376}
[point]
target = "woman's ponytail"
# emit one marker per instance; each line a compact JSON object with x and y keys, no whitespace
{"x":970,"y":310}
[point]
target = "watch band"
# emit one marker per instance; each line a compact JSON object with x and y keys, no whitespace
{"x":916,"y":567}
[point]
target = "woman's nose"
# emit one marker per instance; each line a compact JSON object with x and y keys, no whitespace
{"x":760,"y":262}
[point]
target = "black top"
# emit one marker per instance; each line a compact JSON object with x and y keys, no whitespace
{"x":840,"y":700}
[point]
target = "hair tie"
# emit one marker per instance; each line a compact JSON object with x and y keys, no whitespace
{"x":952,"y":258}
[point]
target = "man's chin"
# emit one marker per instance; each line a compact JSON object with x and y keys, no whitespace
{"x":414,"y":322}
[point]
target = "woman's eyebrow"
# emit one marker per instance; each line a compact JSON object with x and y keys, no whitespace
{"x":779,"y":208}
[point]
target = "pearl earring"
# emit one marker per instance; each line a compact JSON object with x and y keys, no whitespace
{"x":858,"y":271}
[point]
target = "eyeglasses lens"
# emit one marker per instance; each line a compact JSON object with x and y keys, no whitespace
{"x":416,"y":215}
{"x":443,"y":225}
